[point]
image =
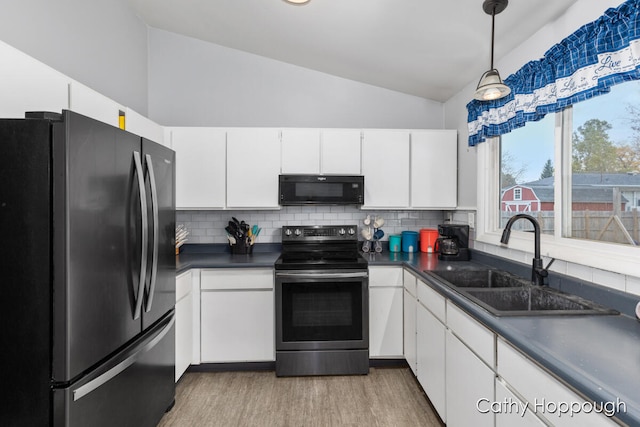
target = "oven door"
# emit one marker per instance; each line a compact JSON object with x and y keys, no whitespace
{"x":322,"y":310}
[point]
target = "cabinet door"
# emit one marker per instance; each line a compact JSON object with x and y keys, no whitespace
{"x":340,"y":151}
{"x":90,"y":103}
{"x":537,"y":386}
{"x":430,"y":352}
{"x":385,"y":322}
{"x":200,"y":167}
{"x":434,"y":169}
{"x":253,"y":166}
{"x":468,"y":381}
{"x":140,"y":125}
{"x":184,"y":326}
{"x":29,"y":85}
{"x":300,"y":151}
{"x":512,"y":413}
{"x":237,"y":326}
{"x":385,"y":164}
{"x":410,"y":337}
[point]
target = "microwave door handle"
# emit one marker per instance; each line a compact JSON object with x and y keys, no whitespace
{"x":139,"y":173}
{"x":154,"y":257}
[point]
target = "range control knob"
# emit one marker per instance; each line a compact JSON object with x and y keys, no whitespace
{"x":297,"y":232}
{"x":341,"y":232}
{"x":287,"y":232}
{"x":351,"y":231}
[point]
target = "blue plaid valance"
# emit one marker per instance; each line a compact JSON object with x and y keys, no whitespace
{"x":597,"y":56}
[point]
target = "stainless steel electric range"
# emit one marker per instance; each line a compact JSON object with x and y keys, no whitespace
{"x":322,"y":302}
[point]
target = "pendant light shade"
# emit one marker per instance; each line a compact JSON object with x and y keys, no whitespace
{"x":297,"y":1}
{"x":490,"y":86}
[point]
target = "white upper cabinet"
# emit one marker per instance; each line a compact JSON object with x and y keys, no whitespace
{"x":29,"y":85}
{"x":315,"y":151}
{"x":90,"y":103}
{"x":385,"y":165}
{"x":434,"y":169}
{"x":253,"y":165}
{"x":200,"y":167}
{"x":340,"y":151}
{"x":301,"y":151}
{"x":140,"y":125}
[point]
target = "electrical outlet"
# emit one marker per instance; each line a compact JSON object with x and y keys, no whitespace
{"x":471,"y":219}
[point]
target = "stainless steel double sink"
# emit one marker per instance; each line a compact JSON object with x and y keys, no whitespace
{"x":505,"y":294}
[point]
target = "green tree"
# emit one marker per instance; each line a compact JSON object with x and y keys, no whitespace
{"x":547,"y":170}
{"x":592,"y":149}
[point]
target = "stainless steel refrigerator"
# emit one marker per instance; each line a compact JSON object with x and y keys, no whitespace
{"x":87,"y":213}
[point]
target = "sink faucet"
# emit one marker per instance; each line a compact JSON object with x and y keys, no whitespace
{"x":538,"y":272}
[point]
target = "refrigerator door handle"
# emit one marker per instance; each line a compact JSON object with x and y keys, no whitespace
{"x":145,"y":235}
{"x":95,"y":383}
{"x":154,"y":256}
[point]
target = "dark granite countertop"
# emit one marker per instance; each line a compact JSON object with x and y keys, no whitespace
{"x":219,"y":256}
{"x":597,"y":355}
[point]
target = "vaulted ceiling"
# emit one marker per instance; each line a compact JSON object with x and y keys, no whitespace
{"x":427,"y":48}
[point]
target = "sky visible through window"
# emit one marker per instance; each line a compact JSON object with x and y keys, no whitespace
{"x":530,"y":147}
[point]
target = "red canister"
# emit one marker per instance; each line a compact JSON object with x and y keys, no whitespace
{"x":428,"y":237}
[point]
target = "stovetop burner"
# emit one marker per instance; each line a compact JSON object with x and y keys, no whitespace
{"x":320,"y":247}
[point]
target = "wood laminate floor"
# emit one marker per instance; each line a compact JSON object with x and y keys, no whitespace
{"x":385,"y":397}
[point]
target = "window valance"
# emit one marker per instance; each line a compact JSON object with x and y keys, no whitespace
{"x":587,"y":63}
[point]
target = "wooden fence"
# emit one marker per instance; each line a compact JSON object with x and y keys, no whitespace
{"x":606,"y":226}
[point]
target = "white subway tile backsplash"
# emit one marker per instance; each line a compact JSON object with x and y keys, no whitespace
{"x":580,"y":271}
{"x":609,"y":279}
{"x":208,"y":226}
{"x":633,"y":285}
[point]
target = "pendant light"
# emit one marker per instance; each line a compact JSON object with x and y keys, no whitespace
{"x":490,"y":86}
{"x":297,"y":1}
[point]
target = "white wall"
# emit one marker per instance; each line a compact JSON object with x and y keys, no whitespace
{"x":196,"y":83}
{"x":101,"y":44}
{"x":582,"y":12}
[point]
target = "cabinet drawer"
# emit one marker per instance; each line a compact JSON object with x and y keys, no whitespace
{"x":183,"y":285}
{"x":477,"y":337}
{"x":542,"y":391}
{"x":385,"y":276}
{"x":431,"y":300}
{"x":228,"y":278}
{"x":410,"y":282}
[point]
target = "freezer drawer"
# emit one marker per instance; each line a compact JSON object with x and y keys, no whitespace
{"x":134,"y":388}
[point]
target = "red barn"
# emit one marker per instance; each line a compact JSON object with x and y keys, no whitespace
{"x":520,"y":198}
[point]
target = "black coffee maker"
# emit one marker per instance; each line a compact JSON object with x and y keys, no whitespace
{"x":453,"y":244}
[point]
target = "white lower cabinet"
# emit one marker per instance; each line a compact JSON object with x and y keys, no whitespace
{"x":469,"y":381}
{"x":548,"y":398}
{"x":509,"y":409}
{"x":431,"y":357}
{"x":385,"y":312}
{"x":237,"y":315}
{"x":184,"y":322}
{"x":410,"y":306}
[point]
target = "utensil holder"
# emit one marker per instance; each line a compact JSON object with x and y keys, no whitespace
{"x":241,"y":248}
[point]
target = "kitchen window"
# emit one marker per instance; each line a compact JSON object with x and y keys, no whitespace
{"x":526,"y":174}
{"x":587,"y":157}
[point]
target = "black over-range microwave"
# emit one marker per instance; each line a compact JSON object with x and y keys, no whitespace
{"x":321,"y":190}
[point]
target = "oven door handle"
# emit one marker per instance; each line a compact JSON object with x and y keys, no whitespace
{"x":324,"y":275}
